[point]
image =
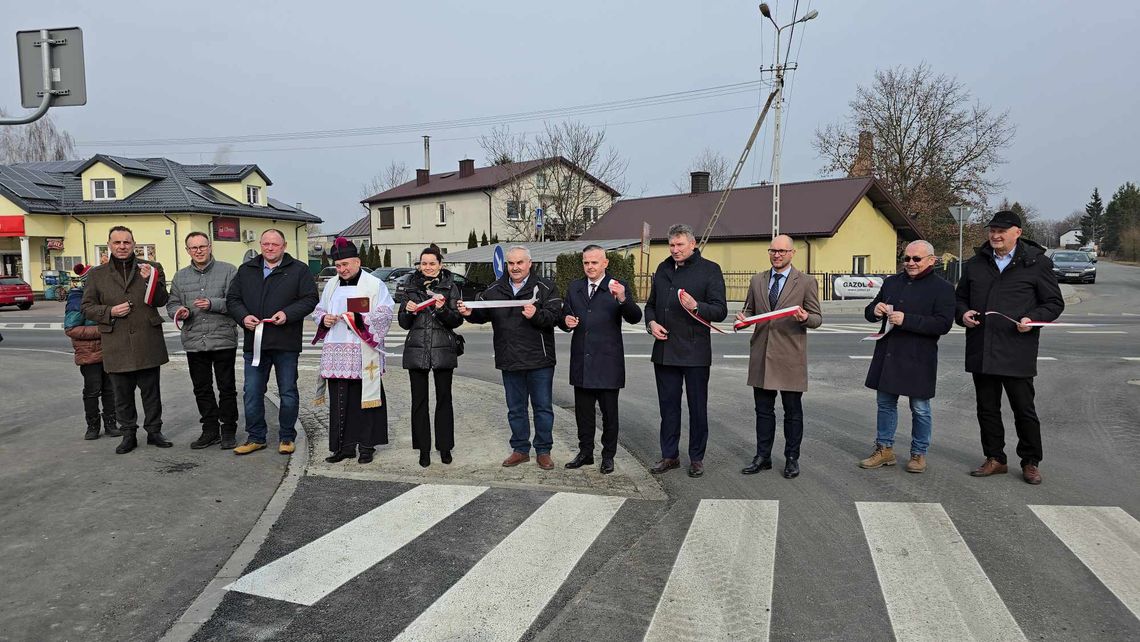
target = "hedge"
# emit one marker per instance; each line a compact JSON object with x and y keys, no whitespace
{"x":569,"y":268}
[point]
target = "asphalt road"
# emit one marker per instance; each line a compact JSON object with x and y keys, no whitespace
{"x":832,"y":573}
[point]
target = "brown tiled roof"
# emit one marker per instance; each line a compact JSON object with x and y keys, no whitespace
{"x":359,"y":228}
{"x":810,"y":208}
{"x":484,"y":178}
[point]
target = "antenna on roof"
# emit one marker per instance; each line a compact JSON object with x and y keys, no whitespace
{"x":427,"y":153}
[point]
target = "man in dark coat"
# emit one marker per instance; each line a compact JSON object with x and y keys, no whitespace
{"x":916,"y":308}
{"x":276,"y":292}
{"x":524,"y":352}
{"x":593,"y":310}
{"x":1011,"y":277}
{"x":682,"y":352}
{"x":123,"y":297}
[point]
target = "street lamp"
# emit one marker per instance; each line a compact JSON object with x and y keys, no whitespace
{"x":779,"y":68}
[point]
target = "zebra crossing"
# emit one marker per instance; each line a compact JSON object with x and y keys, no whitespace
{"x":722,"y":580}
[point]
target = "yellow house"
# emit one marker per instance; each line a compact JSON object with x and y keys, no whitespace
{"x":54,"y":215}
{"x":840,"y":226}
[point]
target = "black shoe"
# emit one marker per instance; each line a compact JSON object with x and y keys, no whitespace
{"x":607,"y":466}
{"x":581,"y":459}
{"x":129,"y":443}
{"x":111,"y":429}
{"x":339,"y":457}
{"x":445,"y":456}
{"x":696,"y":469}
{"x":205,"y":440}
{"x":758,"y":464}
{"x":791,"y":469}
{"x":157,"y":439}
{"x":365,"y":457}
{"x":425,"y":458}
{"x":92,"y":433}
{"x":664,"y":466}
{"x":229,"y":439}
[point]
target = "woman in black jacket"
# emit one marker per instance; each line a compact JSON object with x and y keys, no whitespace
{"x":431,"y":345}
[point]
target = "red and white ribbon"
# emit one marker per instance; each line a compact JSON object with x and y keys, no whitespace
{"x":257,"y":332}
{"x":178,"y":323}
{"x":151,"y":286}
{"x":1045,"y":324}
{"x":508,"y":303}
{"x":420,"y":307}
{"x":693,"y":313}
{"x":764,"y":318}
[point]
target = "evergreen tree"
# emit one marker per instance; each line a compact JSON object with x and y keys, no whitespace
{"x":1122,"y":213}
{"x":388,"y":257}
{"x":374,"y":259}
{"x":483,"y":240}
{"x":1092,"y":223}
{"x":325,"y":261}
{"x":471,"y":240}
{"x":494,"y":239}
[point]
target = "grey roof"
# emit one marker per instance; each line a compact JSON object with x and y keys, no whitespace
{"x":546,"y":252}
{"x":359,"y":228}
{"x":56,"y":188}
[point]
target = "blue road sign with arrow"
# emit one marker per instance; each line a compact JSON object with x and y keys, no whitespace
{"x":499,"y":262}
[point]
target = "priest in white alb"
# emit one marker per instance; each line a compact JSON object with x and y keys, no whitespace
{"x":352,"y":319}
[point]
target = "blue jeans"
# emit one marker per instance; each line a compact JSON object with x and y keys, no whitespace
{"x":888,"y":421}
{"x":537,"y":385}
{"x":256,"y":379}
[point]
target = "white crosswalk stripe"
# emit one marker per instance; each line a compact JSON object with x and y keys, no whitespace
{"x":1106,"y":540}
{"x":933,"y":586}
{"x":721,"y":584}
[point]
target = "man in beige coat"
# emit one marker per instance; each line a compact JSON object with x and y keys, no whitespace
{"x":777,"y":360}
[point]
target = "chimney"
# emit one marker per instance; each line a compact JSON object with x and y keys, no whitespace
{"x":864,"y":164}
{"x":699,"y":182}
{"x":466,"y":168}
{"x":421,"y":177}
{"x":299,"y":207}
{"x":427,"y":154}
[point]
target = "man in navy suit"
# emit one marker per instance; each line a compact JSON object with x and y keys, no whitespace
{"x":593,"y":310}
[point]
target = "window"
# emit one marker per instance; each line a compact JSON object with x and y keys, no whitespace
{"x":516,"y":210}
{"x":65,"y":263}
{"x":442,"y":214}
{"x":407,"y":216}
{"x":387,"y":218}
{"x":540,"y":180}
{"x":443,"y":251}
{"x":409,"y":259}
{"x":589,"y":214}
{"x":253,"y":195}
{"x":859,"y":264}
{"x":103,"y":189}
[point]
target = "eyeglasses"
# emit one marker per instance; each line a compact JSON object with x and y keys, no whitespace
{"x":197,"y":248}
{"x":779,"y":252}
{"x":915,"y":259}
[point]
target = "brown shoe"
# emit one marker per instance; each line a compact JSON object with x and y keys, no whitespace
{"x":1031,"y":474}
{"x":883,"y":456}
{"x":665,"y":465}
{"x":545,"y":462}
{"x":917,"y":464}
{"x":991,"y":467}
{"x":515,"y":459}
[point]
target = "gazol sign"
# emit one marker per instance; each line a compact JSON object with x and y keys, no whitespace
{"x":857,"y":287}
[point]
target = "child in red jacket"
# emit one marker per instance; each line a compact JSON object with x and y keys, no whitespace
{"x":88,"y":347}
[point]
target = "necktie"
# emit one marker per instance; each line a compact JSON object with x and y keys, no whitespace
{"x":593,"y":289}
{"x":774,"y":292}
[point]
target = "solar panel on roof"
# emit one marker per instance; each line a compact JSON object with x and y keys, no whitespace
{"x":130,"y":163}
{"x":33,"y":176}
{"x":227,"y":170}
{"x":23,"y":188}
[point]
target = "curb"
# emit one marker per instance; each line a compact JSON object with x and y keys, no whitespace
{"x":203,"y":607}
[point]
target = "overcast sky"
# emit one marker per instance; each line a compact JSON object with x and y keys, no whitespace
{"x":157,"y":70}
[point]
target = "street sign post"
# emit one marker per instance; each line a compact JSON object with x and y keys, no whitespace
{"x":498,"y":261}
{"x":961,"y":214}
{"x":51,"y":71}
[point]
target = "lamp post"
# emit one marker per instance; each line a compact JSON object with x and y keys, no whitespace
{"x":961,"y":214}
{"x":778,"y":68}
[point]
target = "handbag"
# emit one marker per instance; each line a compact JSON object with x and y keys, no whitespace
{"x":457,"y":342}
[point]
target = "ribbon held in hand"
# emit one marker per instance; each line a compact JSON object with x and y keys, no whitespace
{"x":257,"y":333}
{"x":420,"y":307}
{"x":509,"y":303}
{"x":151,"y":286}
{"x":766,"y":317}
{"x":1045,"y":324}
{"x":693,"y":313}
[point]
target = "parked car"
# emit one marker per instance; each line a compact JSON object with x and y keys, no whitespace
{"x":14,"y":291}
{"x":470,"y":289}
{"x":393,"y":274}
{"x":1074,"y":266}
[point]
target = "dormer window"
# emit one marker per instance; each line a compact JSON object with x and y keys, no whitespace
{"x":253,"y":195}
{"x":103,"y":189}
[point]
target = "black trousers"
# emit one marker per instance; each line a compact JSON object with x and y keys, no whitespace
{"x":206,"y":367}
{"x":96,"y":386}
{"x":584,"y":401}
{"x":766,"y":421}
{"x":695,"y":380}
{"x":444,"y":413}
{"x":146,"y":380}
{"x":987,"y":389}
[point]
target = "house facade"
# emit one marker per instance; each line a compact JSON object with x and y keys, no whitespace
{"x":54,"y":215}
{"x":506,"y":200}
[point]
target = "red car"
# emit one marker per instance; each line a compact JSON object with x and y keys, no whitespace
{"x":13,"y":291}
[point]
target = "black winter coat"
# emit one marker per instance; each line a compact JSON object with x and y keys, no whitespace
{"x":906,"y":359}
{"x":597,"y":353}
{"x":689,"y":343}
{"x":522,"y":343}
{"x":1027,"y":288}
{"x":290,"y":288}
{"x":430,"y":343}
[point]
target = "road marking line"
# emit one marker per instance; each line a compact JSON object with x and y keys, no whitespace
{"x":638,"y":356}
{"x":504,"y":592}
{"x":65,"y":352}
{"x":1096,"y":332}
{"x":1131,"y":358}
{"x":720,"y":587}
{"x":859,"y":356}
{"x":933,"y":586}
{"x":737,"y":356}
{"x":320,"y":567}
{"x":1106,"y":540}
{"x":1046,"y":358}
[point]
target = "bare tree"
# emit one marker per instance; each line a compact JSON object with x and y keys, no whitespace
{"x":581,"y":164}
{"x":510,"y":152}
{"x":503,"y":147}
{"x":394,"y":175}
{"x":711,"y":161}
{"x":37,"y":141}
{"x":934,"y":145}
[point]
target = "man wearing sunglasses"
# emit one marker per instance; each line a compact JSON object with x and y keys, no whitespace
{"x":916,"y":308}
{"x":1012,"y":276}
